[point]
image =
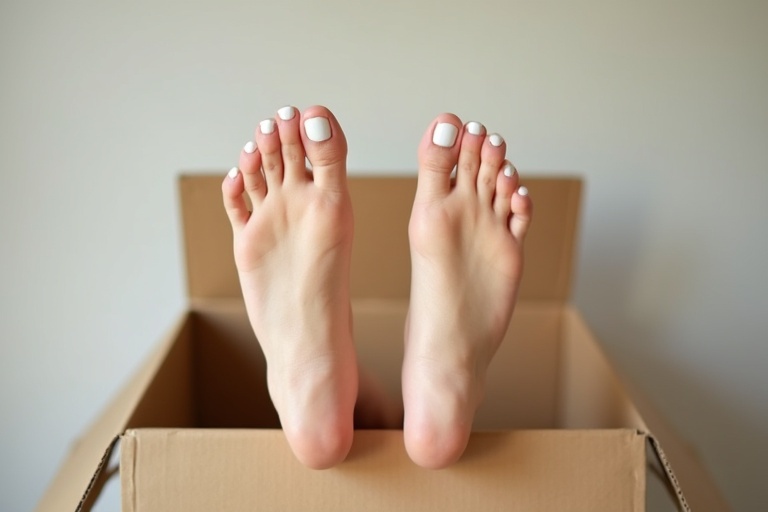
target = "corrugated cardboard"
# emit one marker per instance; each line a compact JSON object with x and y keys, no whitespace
{"x":558,"y":429}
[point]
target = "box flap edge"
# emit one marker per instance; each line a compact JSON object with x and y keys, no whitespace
{"x":76,"y":477}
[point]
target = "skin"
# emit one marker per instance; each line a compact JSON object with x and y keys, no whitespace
{"x":293,"y":257}
{"x":467,"y":259}
{"x":293,"y":253}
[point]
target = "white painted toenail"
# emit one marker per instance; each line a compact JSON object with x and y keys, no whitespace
{"x":496,"y":140}
{"x":286,"y":113}
{"x":444,"y":135}
{"x":522,"y":191}
{"x":250,"y":147}
{"x":267,"y":126}
{"x":475,"y":128}
{"x":318,"y":129}
{"x":233,"y":172}
{"x":509,"y":170}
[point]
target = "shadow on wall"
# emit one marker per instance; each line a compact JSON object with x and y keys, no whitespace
{"x":610,"y":275}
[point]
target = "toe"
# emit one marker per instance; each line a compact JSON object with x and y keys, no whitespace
{"x":469,"y":156}
{"x":522,"y":213}
{"x":438,"y":155}
{"x":292,"y":149}
{"x":506,"y":183}
{"x":325,"y":147}
{"x":268,"y":140}
{"x":253,"y":179}
{"x":232,"y":189}
{"x":492,"y":155}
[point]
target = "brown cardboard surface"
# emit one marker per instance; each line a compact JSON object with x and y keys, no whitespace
{"x":230,"y":370}
{"x":590,"y":391}
{"x":250,"y":470}
{"x":381,"y":258}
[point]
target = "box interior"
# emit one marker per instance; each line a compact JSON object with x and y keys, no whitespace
{"x":546,"y":375}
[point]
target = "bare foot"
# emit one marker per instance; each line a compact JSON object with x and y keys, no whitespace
{"x":293,"y":258}
{"x":467,"y":260}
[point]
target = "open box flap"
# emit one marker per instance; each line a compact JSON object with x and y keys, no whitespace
{"x":680,"y":463}
{"x":82,"y":467}
{"x":381,"y":257}
{"x":587,"y":370}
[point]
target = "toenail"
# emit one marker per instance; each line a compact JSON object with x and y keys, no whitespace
{"x":286,"y":113}
{"x":318,"y":129}
{"x":250,"y":147}
{"x":233,"y":172}
{"x":444,"y":135}
{"x":267,"y":126}
{"x":509,"y":170}
{"x":475,"y":128}
{"x":496,"y":140}
{"x":522,"y":191}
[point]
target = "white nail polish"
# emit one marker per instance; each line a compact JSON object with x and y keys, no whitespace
{"x":509,"y":170}
{"x":267,"y":126}
{"x":475,"y":128}
{"x":286,"y":113}
{"x":522,"y":191}
{"x":318,"y":129}
{"x":444,"y":135}
{"x":233,"y":172}
{"x":496,"y":140}
{"x":250,"y":147}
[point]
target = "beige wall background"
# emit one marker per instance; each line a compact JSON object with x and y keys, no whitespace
{"x":661,"y":105}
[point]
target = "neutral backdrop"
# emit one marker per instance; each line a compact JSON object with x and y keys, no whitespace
{"x":661,"y":105}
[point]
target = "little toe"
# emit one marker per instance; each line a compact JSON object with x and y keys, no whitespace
{"x":268,"y":140}
{"x":492,"y":156}
{"x":325,"y":147}
{"x":506,"y":183}
{"x":232,"y":189}
{"x":469,"y":157}
{"x":522,"y":213}
{"x":438,"y":155}
{"x":292,"y":149}
{"x":250,"y":167}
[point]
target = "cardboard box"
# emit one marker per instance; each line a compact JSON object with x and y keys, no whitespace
{"x":559,"y":429}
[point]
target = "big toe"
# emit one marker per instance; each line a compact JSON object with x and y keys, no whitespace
{"x":325,"y":146}
{"x":438,"y":155}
